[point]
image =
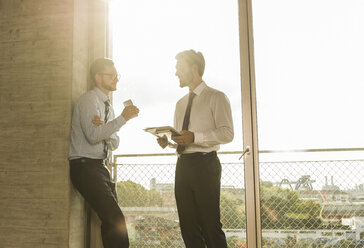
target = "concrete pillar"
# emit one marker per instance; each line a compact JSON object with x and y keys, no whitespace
{"x":45,"y":51}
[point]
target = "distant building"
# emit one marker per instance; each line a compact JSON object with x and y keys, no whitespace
{"x":355,"y":223}
{"x":330,"y":187}
{"x":357,"y":194}
{"x":166,"y":190}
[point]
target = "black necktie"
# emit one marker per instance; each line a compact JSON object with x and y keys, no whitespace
{"x":106,"y":118}
{"x":107,"y":111}
{"x":186,"y":120}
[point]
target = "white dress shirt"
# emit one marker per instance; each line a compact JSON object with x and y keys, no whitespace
{"x":211,"y":119}
{"x":87,"y":139}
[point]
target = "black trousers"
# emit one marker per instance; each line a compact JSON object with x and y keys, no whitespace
{"x":91,"y":178}
{"x":197,"y":191}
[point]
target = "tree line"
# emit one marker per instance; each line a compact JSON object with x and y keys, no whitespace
{"x":280,"y":208}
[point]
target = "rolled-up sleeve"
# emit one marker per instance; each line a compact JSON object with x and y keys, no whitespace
{"x":224,"y":129}
{"x":97,"y":133}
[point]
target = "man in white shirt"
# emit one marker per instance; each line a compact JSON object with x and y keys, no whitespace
{"x":205,"y":120}
{"x":93,"y":134}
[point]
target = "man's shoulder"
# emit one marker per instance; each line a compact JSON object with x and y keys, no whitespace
{"x":88,"y":96}
{"x":86,"y":100}
{"x":214,"y":92}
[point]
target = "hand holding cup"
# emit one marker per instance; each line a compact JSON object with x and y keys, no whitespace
{"x":130,"y":111}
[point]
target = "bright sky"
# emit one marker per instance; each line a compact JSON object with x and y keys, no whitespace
{"x":309,"y":73}
{"x":309,"y":67}
{"x":147,"y":35}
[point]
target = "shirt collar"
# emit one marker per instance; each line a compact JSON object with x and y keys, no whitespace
{"x":101,"y":95}
{"x":198,"y":90}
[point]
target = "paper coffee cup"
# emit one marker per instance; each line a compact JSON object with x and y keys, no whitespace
{"x":128,"y":103}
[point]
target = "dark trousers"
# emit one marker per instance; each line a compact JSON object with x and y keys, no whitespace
{"x":197,"y":191}
{"x":91,"y":178}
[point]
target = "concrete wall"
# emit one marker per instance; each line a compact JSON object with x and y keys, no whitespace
{"x":45,"y":49}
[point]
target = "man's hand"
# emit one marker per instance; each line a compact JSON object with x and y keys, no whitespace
{"x":97,"y":120}
{"x":129,"y":112}
{"x":163,"y":141}
{"x":186,"y":138}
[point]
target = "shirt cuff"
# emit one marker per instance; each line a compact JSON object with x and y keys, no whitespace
{"x":198,"y":138}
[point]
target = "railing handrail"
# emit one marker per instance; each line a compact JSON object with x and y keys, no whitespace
{"x":240,"y":152}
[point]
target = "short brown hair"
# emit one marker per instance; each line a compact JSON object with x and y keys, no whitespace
{"x":98,"y":66}
{"x":192,"y":57}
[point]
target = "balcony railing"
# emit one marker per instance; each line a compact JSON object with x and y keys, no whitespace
{"x":317,"y":203}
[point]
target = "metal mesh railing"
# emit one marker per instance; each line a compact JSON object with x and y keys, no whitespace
{"x":312,"y":203}
{"x":303,"y":203}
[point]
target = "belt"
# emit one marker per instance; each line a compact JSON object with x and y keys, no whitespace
{"x":197,"y":154}
{"x":88,"y":161}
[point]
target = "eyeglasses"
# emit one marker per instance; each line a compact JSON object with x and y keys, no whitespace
{"x":112,"y":75}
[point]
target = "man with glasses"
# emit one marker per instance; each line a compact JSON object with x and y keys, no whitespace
{"x":205,"y":120}
{"x":93,"y":135}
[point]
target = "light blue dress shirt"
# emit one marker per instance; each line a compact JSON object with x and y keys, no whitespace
{"x":87,"y":139}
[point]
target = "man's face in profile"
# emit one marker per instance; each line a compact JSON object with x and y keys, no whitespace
{"x":109,"y":78}
{"x":184,"y":73}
